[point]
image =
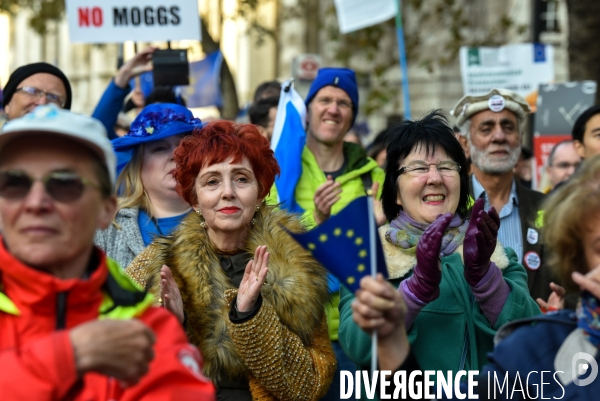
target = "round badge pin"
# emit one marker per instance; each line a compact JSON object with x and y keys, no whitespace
{"x":496,"y":103}
{"x":532,"y":236}
{"x":532,"y":260}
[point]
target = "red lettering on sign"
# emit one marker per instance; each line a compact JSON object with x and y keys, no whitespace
{"x":97,"y":16}
{"x":309,"y":65}
{"x":84,"y":16}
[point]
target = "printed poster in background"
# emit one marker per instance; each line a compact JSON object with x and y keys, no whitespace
{"x":358,"y":14}
{"x":558,"y":107}
{"x":115,"y":21}
{"x":520,"y":68}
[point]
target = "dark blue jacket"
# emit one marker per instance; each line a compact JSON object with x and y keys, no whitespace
{"x":524,"y":349}
{"x":532,"y":345}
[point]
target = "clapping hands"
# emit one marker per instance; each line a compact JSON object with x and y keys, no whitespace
{"x":427,"y":275}
{"x":255,"y":276}
{"x":480,"y":242}
{"x":169,"y":293}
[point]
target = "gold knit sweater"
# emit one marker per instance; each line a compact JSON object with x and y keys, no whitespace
{"x":284,"y":350}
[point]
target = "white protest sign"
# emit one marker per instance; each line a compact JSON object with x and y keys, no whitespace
{"x":357,"y":14}
{"x":109,"y":21}
{"x":520,"y":68}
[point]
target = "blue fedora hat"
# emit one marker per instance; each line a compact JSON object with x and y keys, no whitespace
{"x":155,"y":122}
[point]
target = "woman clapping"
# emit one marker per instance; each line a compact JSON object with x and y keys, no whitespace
{"x":252,"y":299}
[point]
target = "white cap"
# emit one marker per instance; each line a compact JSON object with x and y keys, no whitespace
{"x":495,"y":100}
{"x":51,"y":119}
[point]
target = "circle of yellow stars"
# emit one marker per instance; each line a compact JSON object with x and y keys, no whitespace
{"x":358,"y":241}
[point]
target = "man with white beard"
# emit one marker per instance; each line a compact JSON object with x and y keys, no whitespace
{"x":493,"y":126}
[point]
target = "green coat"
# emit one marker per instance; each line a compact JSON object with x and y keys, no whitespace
{"x":352,"y":187}
{"x":438,"y":334}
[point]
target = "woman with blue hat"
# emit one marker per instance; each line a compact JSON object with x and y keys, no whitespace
{"x":148,"y":205}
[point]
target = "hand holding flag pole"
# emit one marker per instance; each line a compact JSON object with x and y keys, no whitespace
{"x":348,"y":246}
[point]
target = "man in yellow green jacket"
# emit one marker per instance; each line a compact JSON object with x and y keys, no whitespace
{"x":334,"y":172}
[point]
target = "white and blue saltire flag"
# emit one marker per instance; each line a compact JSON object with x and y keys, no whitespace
{"x":289,"y":137}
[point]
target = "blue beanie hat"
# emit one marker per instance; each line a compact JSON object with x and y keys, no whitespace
{"x":343,"y":78}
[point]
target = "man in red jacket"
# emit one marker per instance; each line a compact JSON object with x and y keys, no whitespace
{"x":72,"y":325}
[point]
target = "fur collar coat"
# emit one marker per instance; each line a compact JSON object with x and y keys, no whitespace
{"x":296,"y":290}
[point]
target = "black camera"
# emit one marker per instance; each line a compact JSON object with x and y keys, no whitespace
{"x":171,"y":67}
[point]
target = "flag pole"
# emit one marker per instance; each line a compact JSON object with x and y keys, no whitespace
{"x":373,"y":255}
{"x":403,"y":63}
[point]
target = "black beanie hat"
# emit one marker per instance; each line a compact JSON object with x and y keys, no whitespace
{"x":23,"y":72}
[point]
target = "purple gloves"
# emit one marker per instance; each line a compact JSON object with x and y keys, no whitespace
{"x":480,"y":242}
{"x":426,"y":278}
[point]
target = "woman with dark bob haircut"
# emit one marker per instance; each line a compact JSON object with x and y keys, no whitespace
{"x":564,"y":344}
{"x":251,"y":298}
{"x":460,"y":285}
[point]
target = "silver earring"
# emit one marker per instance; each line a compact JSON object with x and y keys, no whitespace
{"x":257,"y":208}
{"x":253,"y":221}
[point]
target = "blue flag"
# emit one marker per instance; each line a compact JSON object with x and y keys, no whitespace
{"x":146,"y":83}
{"x":205,"y":82}
{"x":288,"y":142}
{"x":344,"y":244}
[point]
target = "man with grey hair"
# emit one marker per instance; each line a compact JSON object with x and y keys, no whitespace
{"x":493,"y":125}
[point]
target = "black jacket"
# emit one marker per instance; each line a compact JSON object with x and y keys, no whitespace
{"x":538,"y":280}
{"x":534,"y":257}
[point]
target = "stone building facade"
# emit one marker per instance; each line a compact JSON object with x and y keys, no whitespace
{"x":298,"y":27}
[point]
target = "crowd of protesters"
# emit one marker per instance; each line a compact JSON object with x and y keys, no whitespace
{"x":149,"y":259}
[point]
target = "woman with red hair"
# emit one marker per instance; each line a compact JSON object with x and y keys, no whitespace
{"x":251,"y":298}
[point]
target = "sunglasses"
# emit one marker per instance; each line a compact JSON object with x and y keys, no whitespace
{"x":62,"y":186}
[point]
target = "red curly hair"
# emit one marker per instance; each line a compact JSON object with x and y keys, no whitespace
{"x":217,"y":142}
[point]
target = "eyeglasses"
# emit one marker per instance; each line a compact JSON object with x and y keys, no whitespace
{"x":50,"y":97}
{"x":447,"y":168}
{"x":62,"y":186}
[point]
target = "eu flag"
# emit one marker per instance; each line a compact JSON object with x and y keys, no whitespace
{"x":205,"y":82}
{"x":344,"y":243}
{"x":146,"y":83}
